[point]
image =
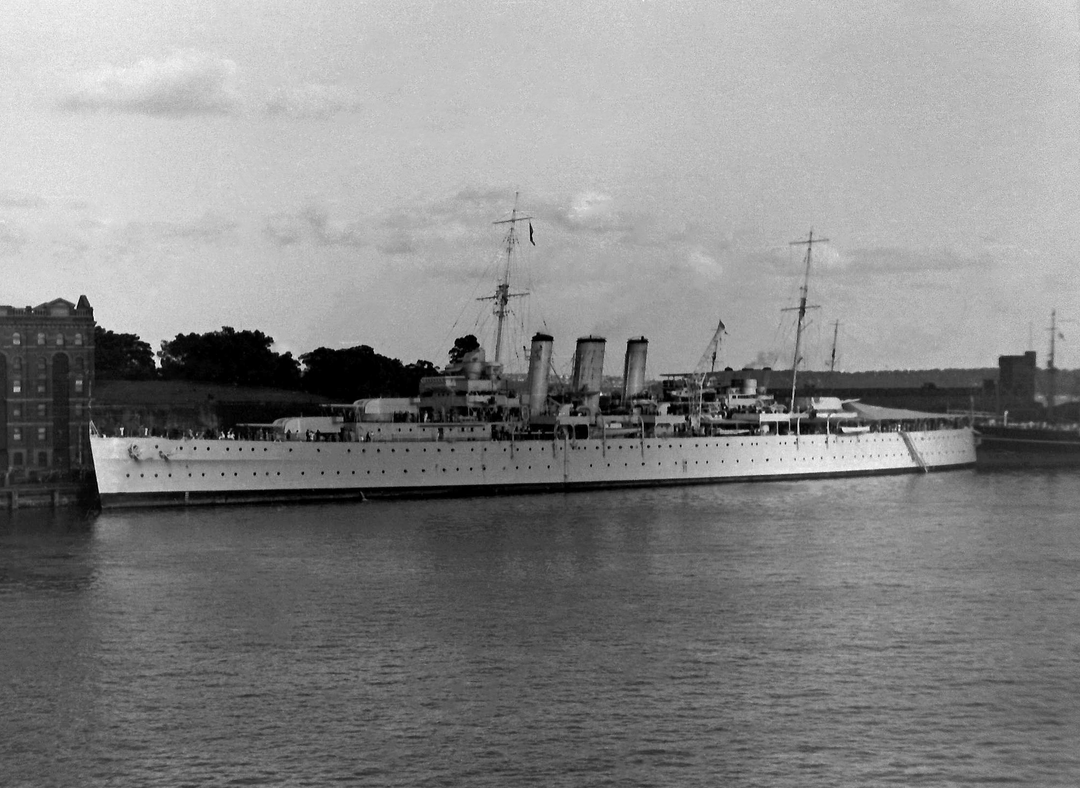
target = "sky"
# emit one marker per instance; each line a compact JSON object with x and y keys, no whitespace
{"x":329,"y":172}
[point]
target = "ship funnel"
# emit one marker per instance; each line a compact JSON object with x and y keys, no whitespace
{"x":539,"y":363}
{"x":472,"y":364}
{"x":589,"y":366}
{"x":634,"y":368}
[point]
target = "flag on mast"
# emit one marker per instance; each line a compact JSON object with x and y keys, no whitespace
{"x":531,"y":235}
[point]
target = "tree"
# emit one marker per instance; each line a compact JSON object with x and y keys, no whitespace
{"x":358,"y":372}
{"x":463,"y":345}
{"x":229,"y":357}
{"x":122,"y":356}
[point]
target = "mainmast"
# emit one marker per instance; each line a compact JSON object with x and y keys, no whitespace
{"x":502,"y":291}
{"x":803,"y":291}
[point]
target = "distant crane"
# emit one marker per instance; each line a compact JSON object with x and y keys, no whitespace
{"x":695,"y":381}
{"x":709,"y":356}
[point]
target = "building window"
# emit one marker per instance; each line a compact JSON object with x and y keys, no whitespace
{"x":41,"y":387}
{"x":16,"y":433}
{"x":42,"y":433}
{"x":78,"y":410}
{"x":16,"y":363}
{"x":16,"y":458}
{"x":41,"y":339}
{"x":78,"y":385}
{"x":16,"y":386}
{"x":78,"y":339}
{"x":16,"y":338}
{"x":41,"y":410}
{"x":16,"y":412}
{"x":43,"y":459}
{"x":41,"y":363}
{"x":60,"y":340}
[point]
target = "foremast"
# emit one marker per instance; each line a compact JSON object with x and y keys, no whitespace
{"x":502,"y":290}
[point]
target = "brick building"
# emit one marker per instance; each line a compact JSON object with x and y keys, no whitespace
{"x":46,"y":375}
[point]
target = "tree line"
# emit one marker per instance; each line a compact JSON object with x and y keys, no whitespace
{"x":246,"y":358}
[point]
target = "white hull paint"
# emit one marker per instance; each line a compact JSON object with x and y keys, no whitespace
{"x":162,"y":472}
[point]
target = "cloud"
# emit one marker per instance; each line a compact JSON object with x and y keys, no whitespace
{"x":142,"y":247}
{"x":596,"y":212}
{"x":12,"y":240}
{"x":207,"y":228}
{"x":313,"y":101}
{"x":14,"y":199}
{"x":892,"y":260}
{"x":285,"y":229}
{"x":397,"y":244}
{"x":589,"y":206}
{"x":17,"y":200}
{"x":30,"y":222}
{"x":830,"y":260}
{"x":704,"y":264}
{"x":312,"y":224}
{"x":186,"y":83}
{"x":457,"y":238}
{"x":438,"y":229}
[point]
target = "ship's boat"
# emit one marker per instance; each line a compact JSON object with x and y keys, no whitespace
{"x":467,"y":431}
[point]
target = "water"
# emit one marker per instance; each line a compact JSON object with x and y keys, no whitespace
{"x":898,"y":630}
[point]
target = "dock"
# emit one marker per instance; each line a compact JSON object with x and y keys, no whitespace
{"x":48,"y":495}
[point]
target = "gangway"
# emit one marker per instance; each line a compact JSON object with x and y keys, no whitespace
{"x":914,"y":452}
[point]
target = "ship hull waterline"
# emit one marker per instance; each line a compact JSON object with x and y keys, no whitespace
{"x":1020,"y":447}
{"x":149,"y":471}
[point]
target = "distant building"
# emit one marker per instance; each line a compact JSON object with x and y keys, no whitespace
{"x":1016,"y":380}
{"x":46,"y":375}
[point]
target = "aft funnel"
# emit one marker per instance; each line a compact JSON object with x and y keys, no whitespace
{"x":634,"y":368}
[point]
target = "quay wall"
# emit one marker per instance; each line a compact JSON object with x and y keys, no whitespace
{"x":49,"y":494}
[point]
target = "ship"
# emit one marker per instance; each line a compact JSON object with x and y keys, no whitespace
{"x":1027,"y":445}
{"x":1042,"y":443}
{"x":469,"y":432}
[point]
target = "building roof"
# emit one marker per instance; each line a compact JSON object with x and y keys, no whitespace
{"x":58,"y":307}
